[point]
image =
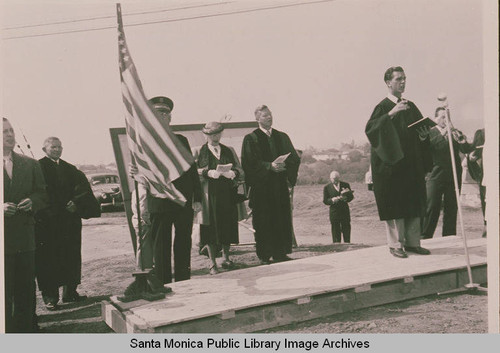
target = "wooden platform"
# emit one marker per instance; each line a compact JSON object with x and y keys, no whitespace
{"x":261,"y":297}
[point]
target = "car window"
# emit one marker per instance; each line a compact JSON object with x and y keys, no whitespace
{"x":104,"y":179}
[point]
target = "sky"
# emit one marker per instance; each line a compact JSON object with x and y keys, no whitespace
{"x":318,"y":66}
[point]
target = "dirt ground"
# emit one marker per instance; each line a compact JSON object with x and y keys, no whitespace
{"x":108,"y":262}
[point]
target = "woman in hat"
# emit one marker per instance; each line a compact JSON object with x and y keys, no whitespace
{"x":219,"y":170}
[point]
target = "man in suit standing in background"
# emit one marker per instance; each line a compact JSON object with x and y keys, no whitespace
{"x":24,"y":194}
{"x":439,"y":182}
{"x":337,"y":195}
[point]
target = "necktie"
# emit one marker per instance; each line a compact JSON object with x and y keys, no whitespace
{"x":7,"y":165}
{"x":272,"y":147}
{"x":215,"y":151}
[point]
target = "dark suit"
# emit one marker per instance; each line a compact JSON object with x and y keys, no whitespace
{"x":440,"y":185}
{"x":340,"y":217}
{"x":164,"y":214}
{"x":19,"y":241}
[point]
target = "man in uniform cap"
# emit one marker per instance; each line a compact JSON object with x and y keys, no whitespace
{"x":165,"y":213}
{"x":162,"y":104}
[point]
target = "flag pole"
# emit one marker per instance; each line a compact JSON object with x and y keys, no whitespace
{"x":471,"y":286}
{"x":139,"y":225}
{"x":145,"y":285}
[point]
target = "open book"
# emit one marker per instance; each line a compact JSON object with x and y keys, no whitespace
{"x":224,"y":168}
{"x":282,"y":158}
{"x":422,"y":122}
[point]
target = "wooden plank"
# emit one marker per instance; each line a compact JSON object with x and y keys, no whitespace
{"x":261,"y":318}
{"x":252,"y":299}
{"x":264,"y":317}
{"x":285,"y":281}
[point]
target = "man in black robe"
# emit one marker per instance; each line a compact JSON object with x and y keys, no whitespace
{"x":399,"y":160}
{"x":58,"y":228}
{"x":269,"y":181}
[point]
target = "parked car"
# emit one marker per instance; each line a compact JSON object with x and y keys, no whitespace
{"x":106,"y":188}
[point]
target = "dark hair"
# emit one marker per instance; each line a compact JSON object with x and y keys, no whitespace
{"x":438,"y":109}
{"x":389,"y":71}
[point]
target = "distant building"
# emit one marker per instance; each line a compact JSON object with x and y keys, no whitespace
{"x":337,"y":155}
{"x":323,"y":157}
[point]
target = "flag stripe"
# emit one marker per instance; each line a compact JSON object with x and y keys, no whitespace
{"x":143,"y":148}
{"x":154,"y":159}
{"x":152,"y":179}
{"x":157,"y":129}
{"x":128,"y":106}
{"x":154,"y":138}
{"x":154,"y":176}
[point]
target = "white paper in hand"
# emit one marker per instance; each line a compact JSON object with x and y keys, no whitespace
{"x":282,"y":158}
{"x":224,"y":168}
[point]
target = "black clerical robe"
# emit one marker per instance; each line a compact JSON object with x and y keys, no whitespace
{"x":269,"y":195}
{"x":399,"y":161}
{"x":58,"y":232}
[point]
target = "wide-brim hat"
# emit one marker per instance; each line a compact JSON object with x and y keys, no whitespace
{"x":161,"y":102}
{"x":212,"y":128}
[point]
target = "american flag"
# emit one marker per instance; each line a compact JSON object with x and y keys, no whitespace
{"x":157,"y":152}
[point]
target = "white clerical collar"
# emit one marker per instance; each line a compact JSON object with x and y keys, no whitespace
{"x":56,"y":161}
{"x":267,"y":132}
{"x":393,"y":98}
{"x":442,"y":130}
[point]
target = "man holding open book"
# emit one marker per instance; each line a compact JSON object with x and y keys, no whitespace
{"x":271,"y":164}
{"x":399,"y":160}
